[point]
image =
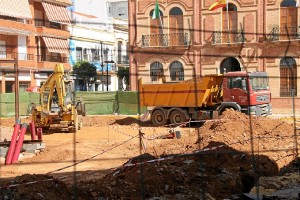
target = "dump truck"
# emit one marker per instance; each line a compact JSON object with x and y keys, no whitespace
{"x":206,"y":97}
{"x":58,"y":108}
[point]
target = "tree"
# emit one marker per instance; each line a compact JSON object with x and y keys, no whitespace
{"x":85,"y":70}
{"x":123,"y":74}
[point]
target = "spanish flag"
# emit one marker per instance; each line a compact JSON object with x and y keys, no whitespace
{"x":218,"y":4}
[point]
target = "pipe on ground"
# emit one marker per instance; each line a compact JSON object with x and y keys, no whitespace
{"x":12,"y":145}
{"x":19,"y":143}
{"x":32,"y":130}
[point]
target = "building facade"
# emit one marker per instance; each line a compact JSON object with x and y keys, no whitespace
{"x":33,"y":37}
{"x":99,"y":35}
{"x":187,"y":40}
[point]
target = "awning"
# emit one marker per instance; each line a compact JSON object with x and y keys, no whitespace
{"x":56,"y":13}
{"x":15,"y":8}
{"x":56,"y":45}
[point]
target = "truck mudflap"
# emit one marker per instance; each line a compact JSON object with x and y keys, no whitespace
{"x":260,"y":110}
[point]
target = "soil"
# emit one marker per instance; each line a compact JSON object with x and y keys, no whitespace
{"x":106,"y":160}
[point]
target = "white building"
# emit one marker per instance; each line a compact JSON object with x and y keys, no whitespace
{"x":99,"y":34}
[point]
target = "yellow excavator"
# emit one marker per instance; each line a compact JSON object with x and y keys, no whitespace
{"x":58,"y":108}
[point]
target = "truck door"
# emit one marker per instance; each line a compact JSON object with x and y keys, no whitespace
{"x":236,"y":90}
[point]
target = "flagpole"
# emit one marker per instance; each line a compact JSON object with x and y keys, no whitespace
{"x":228,"y":21}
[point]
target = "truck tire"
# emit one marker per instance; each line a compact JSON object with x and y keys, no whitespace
{"x":158,"y":118}
{"x":178,"y":116}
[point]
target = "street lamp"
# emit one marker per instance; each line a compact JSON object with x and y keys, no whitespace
{"x":107,"y":62}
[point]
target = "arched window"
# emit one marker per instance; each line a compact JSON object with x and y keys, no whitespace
{"x":176,"y":36}
{"x":229,"y":24}
{"x":288,"y":77}
{"x":176,"y":71}
{"x":288,"y":19}
{"x":156,"y":29}
{"x":156,"y":71}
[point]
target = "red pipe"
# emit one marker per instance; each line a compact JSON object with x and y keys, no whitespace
{"x":12,"y":145}
{"x":32,"y":130}
{"x":39,"y":133}
{"x":19,"y":143}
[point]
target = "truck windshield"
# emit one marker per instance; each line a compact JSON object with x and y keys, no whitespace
{"x":259,"y":83}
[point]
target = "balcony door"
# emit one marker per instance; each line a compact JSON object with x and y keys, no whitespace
{"x":156,"y":29}
{"x":176,"y":27}
{"x":229,"y":19}
{"x":288,"y":20}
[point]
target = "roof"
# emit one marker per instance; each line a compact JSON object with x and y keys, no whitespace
{"x":85,"y":15}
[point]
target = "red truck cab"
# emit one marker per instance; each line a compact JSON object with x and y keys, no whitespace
{"x":249,"y":90}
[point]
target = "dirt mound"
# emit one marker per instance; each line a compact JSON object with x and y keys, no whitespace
{"x":198,"y":176}
{"x":221,"y":158}
{"x":38,"y":187}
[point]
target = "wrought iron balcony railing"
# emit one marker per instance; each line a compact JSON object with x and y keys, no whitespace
{"x":53,"y":58}
{"x":165,"y":40}
{"x":48,"y":24}
{"x":123,"y":60}
{"x":283,"y":33}
{"x":219,"y":37}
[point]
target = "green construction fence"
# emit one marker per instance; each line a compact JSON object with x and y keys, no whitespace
{"x":97,"y":103}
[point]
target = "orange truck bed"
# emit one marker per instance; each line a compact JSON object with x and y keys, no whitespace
{"x":204,"y":91}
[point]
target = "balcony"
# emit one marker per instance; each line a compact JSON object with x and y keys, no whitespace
{"x":52,"y":58}
{"x":14,"y":55}
{"x":283,"y":33}
{"x":165,"y":40}
{"x":222,"y":37}
{"x":123,"y":60}
{"x":13,"y":26}
{"x":51,"y":28}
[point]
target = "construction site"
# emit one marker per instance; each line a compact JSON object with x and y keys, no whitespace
{"x":119,"y":157}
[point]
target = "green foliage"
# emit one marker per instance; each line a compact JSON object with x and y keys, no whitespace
{"x":84,"y":69}
{"x":123,"y":72}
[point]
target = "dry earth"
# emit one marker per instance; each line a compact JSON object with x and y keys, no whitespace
{"x":106,"y":160}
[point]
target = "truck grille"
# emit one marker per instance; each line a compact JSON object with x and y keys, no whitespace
{"x":262,"y":98}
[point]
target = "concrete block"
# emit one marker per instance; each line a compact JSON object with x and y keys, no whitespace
{"x":33,"y":146}
{"x":3,"y":150}
{"x":41,"y":145}
{"x":25,"y":155}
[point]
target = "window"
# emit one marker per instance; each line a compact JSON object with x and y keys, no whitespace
{"x":176,"y":71}
{"x":176,"y":36}
{"x":119,"y":52}
{"x":229,"y":33}
{"x":288,"y":19}
{"x":156,"y":71}
{"x":78,"y":53}
{"x":23,"y":86}
{"x":237,"y":83}
{"x":288,"y":77}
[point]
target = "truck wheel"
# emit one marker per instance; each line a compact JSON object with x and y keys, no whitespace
{"x":158,"y":118}
{"x":177,"y":117}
